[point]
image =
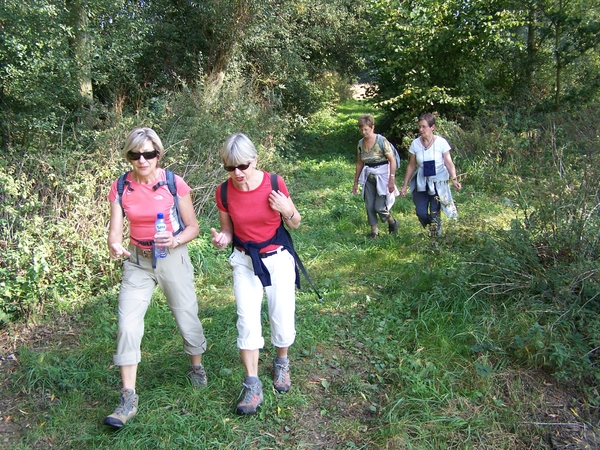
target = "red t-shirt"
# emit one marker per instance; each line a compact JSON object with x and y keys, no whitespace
{"x":252,"y":216}
{"x":142,"y":203}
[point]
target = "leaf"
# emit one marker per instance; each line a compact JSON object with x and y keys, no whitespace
{"x":483,"y":369}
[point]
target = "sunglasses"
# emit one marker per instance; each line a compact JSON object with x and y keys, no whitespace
{"x":135,"y":156}
{"x":232,"y":168}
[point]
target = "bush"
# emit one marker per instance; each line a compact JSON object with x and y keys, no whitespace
{"x":54,"y":212}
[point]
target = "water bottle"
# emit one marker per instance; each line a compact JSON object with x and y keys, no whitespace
{"x":160,"y":225}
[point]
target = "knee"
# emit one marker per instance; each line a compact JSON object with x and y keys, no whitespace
{"x":130,"y":329}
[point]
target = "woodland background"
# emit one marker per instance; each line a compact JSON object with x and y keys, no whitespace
{"x":515,"y":85}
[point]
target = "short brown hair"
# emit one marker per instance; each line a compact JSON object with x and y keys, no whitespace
{"x":428,"y":117}
{"x":366,"y":119}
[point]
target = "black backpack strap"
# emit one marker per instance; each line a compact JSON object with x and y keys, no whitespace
{"x":275,"y":187}
{"x":300,"y":265}
{"x":224,"y":195}
{"x":121,"y":183}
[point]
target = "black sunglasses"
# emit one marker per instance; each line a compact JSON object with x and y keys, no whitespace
{"x":232,"y":168}
{"x":135,"y":156}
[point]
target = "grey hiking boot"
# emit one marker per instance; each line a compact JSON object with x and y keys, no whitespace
{"x":253,"y":398}
{"x":197,"y":376}
{"x":125,"y":411}
{"x":281,"y":376}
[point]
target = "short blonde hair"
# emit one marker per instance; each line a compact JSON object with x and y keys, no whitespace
{"x":138,"y":137}
{"x":238,"y":149}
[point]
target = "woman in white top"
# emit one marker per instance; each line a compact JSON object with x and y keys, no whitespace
{"x":429,"y":169}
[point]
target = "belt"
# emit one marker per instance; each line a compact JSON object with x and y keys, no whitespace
{"x":139,"y":251}
{"x":378,"y":164}
{"x":274,"y":252}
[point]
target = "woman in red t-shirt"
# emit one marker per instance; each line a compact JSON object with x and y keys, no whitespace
{"x":262,"y":260}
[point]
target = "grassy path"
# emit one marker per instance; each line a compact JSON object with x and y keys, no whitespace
{"x":399,"y":355}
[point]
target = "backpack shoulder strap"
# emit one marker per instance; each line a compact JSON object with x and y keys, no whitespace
{"x":171,"y":183}
{"x":380,"y":141}
{"x":224,"y":195}
{"x":172,"y":186}
{"x":360,"y":145}
{"x":121,"y":182}
{"x":274,"y":182}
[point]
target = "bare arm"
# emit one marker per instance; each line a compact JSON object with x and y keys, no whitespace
{"x":188,"y":216}
{"x":410,"y":170}
{"x":115,"y":232}
{"x":221,"y":239}
{"x":285,"y":206}
{"x":392,"y":177}
{"x":452,"y":170}
{"x":359,"y":167}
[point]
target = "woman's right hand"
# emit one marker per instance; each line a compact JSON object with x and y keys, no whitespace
{"x":219,"y":239}
{"x":355,"y":189}
{"x":117,"y":250}
{"x":403,"y":191}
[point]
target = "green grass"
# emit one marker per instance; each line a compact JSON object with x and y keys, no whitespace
{"x":401,"y":354}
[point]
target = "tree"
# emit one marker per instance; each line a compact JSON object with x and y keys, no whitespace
{"x":457,"y":57}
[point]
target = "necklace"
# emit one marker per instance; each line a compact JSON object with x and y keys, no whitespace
{"x":429,"y":142}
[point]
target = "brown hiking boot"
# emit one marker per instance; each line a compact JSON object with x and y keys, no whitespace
{"x":281,"y":376}
{"x":253,"y":398}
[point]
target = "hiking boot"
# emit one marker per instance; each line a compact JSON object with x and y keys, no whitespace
{"x":197,"y":376}
{"x":393,"y":227}
{"x":435,"y":226}
{"x":253,"y":398}
{"x":281,"y":376}
{"x":125,"y":411}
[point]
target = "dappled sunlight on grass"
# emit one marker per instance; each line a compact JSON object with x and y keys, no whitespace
{"x":416,"y":344}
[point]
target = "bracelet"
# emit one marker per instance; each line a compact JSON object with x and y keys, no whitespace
{"x":393,"y":175}
{"x":289,"y":218}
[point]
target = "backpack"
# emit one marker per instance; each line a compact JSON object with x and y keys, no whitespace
{"x":381,"y":142}
{"x":275,"y":187}
{"x":171,"y":184}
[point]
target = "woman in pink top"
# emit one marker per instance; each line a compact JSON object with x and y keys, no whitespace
{"x":145,"y":192}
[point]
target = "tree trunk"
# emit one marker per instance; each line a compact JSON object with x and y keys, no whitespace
{"x":80,"y":43}
{"x":557,"y":54}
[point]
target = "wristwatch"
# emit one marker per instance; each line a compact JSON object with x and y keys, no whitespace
{"x":178,"y":242}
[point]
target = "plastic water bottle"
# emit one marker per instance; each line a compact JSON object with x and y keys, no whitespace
{"x":160,"y":225}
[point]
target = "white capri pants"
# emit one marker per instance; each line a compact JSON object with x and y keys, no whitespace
{"x":281,"y":299}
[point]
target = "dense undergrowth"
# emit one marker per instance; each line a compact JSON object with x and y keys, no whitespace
{"x":418,"y":344}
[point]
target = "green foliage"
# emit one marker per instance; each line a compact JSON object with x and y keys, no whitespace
{"x":418,"y":344}
{"x":52,"y":216}
{"x":464,"y":58}
{"x":305,"y":53}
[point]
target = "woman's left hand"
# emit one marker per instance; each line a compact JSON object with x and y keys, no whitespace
{"x":391,"y":185}
{"x":280,"y":203}
{"x":165,"y":239}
